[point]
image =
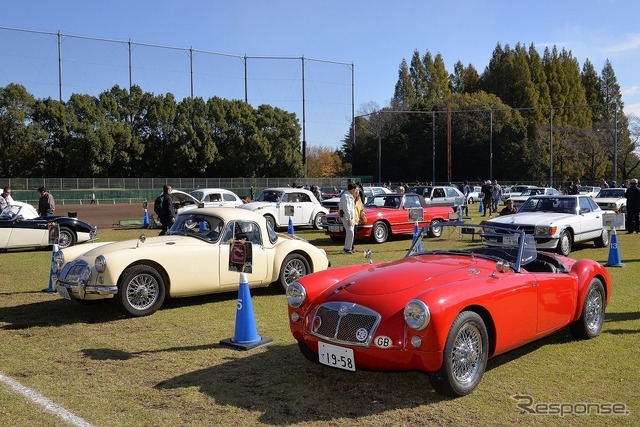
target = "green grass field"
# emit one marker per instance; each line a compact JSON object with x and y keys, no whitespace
{"x":169,"y":369}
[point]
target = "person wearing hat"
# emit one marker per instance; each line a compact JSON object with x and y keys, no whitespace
{"x":632,"y":194}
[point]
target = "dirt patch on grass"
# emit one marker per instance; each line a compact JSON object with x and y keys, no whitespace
{"x":104,"y":215}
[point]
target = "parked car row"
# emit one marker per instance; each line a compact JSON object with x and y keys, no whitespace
{"x":470,"y":293}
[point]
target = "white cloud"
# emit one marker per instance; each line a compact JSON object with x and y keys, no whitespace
{"x":630,"y":42}
{"x":631,"y":91}
{"x":632,"y":109}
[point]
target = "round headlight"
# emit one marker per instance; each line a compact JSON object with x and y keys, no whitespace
{"x":56,"y":261}
{"x":85,"y":275}
{"x":100,"y":263}
{"x":296,"y":294}
{"x":416,"y":314}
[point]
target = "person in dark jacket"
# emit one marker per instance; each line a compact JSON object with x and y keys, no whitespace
{"x":487,"y":198}
{"x":167,"y":213}
{"x":633,"y":206}
{"x":46,"y":204}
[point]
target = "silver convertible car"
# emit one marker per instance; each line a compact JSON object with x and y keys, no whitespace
{"x":204,"y":252}
{"x":557,"y":222}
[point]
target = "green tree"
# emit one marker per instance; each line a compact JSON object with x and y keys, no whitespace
{"x":22,"y":141}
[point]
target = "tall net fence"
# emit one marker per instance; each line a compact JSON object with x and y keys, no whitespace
{"x":319,"y":91}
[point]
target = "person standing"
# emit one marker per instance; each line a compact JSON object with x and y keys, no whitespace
{"x":46,"y":204}
{"x":496,"y":194}
{"x":347,"y":213}
{"x":167,"y":213}
{"x":632,"y":194}
{"x":486,"y":198}
{"x":466,"y":190}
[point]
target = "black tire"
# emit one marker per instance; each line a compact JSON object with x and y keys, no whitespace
{"x":67,"y":238}
{"x":465,"y":356}
{"x":564,"y":243}
{"x":380,"y":232}
{"x":435,"y":230}
{"x":308,"y":353}
{"x":293,"y":266}
{"x":270,"y":220}
{"x":336,"y":238}
{"x":141,"y":290}
{"x":317,"y":221}
{"x":590,"y":322}
{"x":603,"y":240}
{"x":470,"y":201}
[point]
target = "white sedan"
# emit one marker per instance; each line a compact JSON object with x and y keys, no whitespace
{"x":369,"y":192}
{"x":557,"y":222}
{"x":203,"y":253}
{"x":278,"y":205}
{"x":612,"y":199}
{"x":533,"y":191}
{"x":213,"y":197}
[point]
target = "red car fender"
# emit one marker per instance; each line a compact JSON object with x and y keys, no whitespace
{"x":586,"y":270}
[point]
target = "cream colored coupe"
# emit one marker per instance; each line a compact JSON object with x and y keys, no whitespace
{"x":203,"y":253}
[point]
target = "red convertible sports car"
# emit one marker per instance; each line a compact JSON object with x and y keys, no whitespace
{"x":391,"y":214}
{"x":447,"y":307}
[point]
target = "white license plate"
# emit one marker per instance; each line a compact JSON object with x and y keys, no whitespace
{"x":63,"y":292}
{"x":336,"y":357}
{"x":335,"y":229}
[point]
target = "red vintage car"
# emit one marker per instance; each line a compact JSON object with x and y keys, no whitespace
{"x":391,"y":214}
{"x":447,"y":307}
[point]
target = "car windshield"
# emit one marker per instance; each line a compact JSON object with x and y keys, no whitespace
{"x":10,"y":212}
{"x":611,"y":192}
{"x":531,"y":191}
{"x":270,"y":196}
{"x":385,"y":201}
{"x":205,"y":227}
{"x":487,"y":241}
{"x":197,"y":194}
{"x":550,"y":204}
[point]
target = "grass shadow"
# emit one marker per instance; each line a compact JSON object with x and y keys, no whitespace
{"x":294,"y":390}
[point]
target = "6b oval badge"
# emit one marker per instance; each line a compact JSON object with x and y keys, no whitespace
{"x":383,"y":342}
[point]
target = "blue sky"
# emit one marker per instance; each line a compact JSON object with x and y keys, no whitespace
{"x":374,"y":36}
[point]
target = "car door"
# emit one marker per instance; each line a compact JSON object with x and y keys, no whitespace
{"x":306,"y":208}
{"x":557,"y":299}
{"x":438,"y":196}
{"x":230,"y":200}
{"x":290,"y":207}
{"x":28,"y":233}
{"x":214,"y":200}
{"x":591,"y":218}
{"x":249,"y":232}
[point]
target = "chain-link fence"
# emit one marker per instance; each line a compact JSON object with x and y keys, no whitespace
{"x":117,"y":190}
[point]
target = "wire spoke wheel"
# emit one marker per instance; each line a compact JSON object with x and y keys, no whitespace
{"x":594,"y":310}
{"x":143,"y":291}
{"x":466,"y":353}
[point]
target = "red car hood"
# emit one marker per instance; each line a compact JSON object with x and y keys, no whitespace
{"x":414,"y":274}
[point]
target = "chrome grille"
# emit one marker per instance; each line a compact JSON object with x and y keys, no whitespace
{"x":345,"y":323}
{"x":74,"y":271}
